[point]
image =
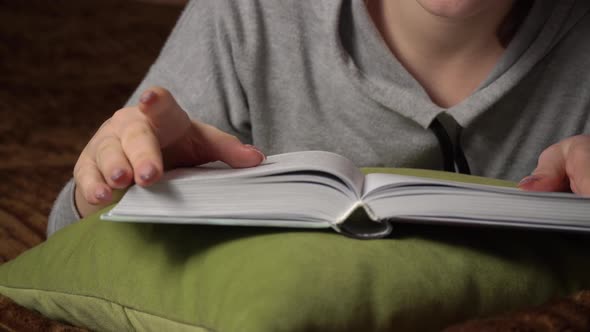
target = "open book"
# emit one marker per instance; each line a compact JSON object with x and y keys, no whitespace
{"x":316,"y":189}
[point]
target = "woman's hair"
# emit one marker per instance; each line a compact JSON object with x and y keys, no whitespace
{"x":513,"y":20}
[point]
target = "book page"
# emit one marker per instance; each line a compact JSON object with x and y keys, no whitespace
{"x":302,"y":189}
{"x":304,"y":161}
{"x":473,"y":207}
{"x":377,"y":183}
{"x":298,"y":199}
{"x":406,"y":198}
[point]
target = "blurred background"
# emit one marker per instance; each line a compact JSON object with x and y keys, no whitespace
{"x":65,"y":66}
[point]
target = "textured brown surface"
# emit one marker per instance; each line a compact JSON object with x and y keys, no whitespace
{"x":570,"y":314}
{"x":65,"y":67}
{"x":14,"y":318}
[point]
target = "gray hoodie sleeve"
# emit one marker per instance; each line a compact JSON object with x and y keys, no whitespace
{"x":197,"y":64}
{"x":64,"y":210}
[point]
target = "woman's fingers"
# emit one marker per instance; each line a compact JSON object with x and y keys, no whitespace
{"x":563,"y":166}
{"x":129,"y":147}
{"x":200,"y":143}
{"x":112,"y":162}
{"x":167,"y":119}
{"x":142,"y":149}
{"x":219,"y":145}
{"x":578,"y":165}
{"x":90,"y":182}
{"x":550,"y":173}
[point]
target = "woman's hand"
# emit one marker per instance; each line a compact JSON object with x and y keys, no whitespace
{"x":563,"y":166}
{"x":137,"y":143}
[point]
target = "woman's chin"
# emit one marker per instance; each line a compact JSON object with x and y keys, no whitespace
{"x":459,"y":9}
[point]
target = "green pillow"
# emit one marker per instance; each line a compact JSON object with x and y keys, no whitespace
{"x":129,"y":276}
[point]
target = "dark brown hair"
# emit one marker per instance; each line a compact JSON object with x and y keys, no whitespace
{"x":513,"y":20}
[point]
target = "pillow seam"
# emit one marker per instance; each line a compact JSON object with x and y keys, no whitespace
{"x":124,"y":307}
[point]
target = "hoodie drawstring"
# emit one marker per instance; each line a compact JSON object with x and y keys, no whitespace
{"x":453,"y":156}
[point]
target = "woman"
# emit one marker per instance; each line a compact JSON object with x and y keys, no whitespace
{"x":481,"y":86}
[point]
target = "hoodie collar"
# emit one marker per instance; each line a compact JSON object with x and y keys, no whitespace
{"x":367,"y":61}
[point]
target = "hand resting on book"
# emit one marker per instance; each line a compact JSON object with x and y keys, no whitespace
{"x":138,"y":142}
{"x":318,"y":189}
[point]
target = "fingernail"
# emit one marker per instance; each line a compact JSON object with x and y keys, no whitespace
{"x":117,"y":175}
{"x":252,"y":147}
{"x":147,"y":173}
{"x":147,"y":97}
{"x":529,"y":179}
{"x":102,"y":194}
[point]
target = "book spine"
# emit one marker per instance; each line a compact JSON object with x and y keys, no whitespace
{"x":349,"y":212}
{"x":360,"y":222}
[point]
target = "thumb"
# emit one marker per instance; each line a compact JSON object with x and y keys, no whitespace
{"x":192,"y":142}
{"x":219,"y":145}
{"x":550,"y":174}
{"x":164,"y":115}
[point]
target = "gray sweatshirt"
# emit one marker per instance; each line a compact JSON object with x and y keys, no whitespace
{"x":296,"y":75}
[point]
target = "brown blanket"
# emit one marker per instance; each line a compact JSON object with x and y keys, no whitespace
{"x":65,"y":66}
